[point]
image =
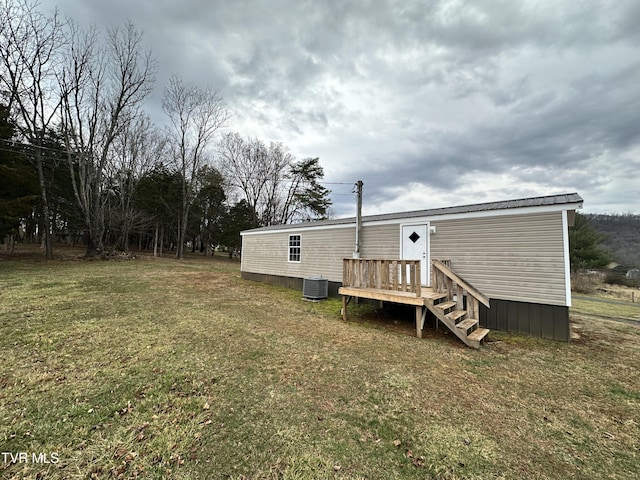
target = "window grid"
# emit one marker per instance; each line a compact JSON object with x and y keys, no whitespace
{"x":294,"y":248}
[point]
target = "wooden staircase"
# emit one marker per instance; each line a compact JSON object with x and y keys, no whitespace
{"x":447,"y":303}
{"x":453,"y":301}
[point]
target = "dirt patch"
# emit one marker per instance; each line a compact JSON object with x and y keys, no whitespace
{"x":580,"y":335}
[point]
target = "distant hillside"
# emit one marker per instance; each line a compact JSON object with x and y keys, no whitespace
{"x":622,"y":236}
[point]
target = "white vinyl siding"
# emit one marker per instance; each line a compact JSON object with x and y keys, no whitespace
{"x":380,"y":241}
{"x":511,"y":257}
{"x":323,"y":251}
{"x":519,"y":257}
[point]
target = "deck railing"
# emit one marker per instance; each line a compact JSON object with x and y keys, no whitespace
{"x":384,"y":274}
{"x":449,"y":282}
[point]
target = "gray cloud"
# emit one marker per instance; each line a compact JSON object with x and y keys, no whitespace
{"x":425,"y":101}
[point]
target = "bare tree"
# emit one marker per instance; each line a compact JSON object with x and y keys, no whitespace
{"x":30,"y":48}
{"x":277,"y":187}
{"x":275,"y":170}
{"x":105,"y":87}
{"x":136,"y":150}
{"x":241,"y":162}
{"x":195,"y":115}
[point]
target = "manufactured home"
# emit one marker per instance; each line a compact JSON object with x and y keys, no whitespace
{"x":516,"y":253}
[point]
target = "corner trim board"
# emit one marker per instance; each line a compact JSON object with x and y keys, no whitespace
{"x":567,"y":257}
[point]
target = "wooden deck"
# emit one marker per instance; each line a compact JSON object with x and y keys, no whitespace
{"x":407,"y":298}
{"x":453,"y":301}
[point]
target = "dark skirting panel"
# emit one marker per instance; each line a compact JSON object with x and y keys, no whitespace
{"x":546,"y":321}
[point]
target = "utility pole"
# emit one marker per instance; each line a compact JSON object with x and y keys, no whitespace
{"x":358,"y":191}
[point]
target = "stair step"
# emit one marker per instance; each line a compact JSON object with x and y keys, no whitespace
{"x":478,"y":335}
{"x":468,"y":325}
{"x":444,"y":306}
{"x":457,"y":316}
{"x":435,"y":298}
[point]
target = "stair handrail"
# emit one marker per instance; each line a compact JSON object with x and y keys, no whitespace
{"x":453,"y":276}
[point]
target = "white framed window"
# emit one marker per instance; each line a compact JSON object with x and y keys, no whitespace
{"x":294,"y":248}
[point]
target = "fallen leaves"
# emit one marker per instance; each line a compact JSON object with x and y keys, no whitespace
{"x":126,"y":409}
{"x":140,"y":431}
{"x":126,"y":458}
{"x":415,"y":460}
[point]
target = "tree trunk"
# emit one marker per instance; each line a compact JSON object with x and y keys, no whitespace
{"x":182,"y":229}
{"x":125,"y":240}
{"x":155,"y":242}
{"x":9,"y":242}
{"x":179,"y":241}
{"x":46,"y":220}
{"x":92,"y":250}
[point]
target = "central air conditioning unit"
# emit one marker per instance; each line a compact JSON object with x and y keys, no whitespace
{"x":315,"y":288}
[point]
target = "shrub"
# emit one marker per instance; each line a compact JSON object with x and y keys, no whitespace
{"x":618,"y":279}
{"x":582,"y":283}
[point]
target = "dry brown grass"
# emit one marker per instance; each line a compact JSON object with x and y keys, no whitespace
{"x":594,"y":285}
{"x":164,"y":369}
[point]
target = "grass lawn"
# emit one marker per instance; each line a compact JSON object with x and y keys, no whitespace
{"x":629,"y":311}
{"x":182,"y":370}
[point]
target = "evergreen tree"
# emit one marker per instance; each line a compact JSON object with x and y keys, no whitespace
{"x":158,"y":197}
{"x":19,"y":192}
{"x":208,"y":208}
{"x":584,"y":245}
{"x":240,"y":217}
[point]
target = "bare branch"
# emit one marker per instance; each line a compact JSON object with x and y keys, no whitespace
{"x":31,"y":46}
{"x":104,"y":88}
{"x":195,"y":116}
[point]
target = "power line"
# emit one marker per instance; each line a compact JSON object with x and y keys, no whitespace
{"x":21,"y":152}
{"x":19,"y":148}
{"x":31,"y":145}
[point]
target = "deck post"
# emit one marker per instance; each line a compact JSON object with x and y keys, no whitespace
{"x":419,"y":321}
{"x":344,"y":307}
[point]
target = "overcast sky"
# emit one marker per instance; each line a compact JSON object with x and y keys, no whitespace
{"x":429,"y":103}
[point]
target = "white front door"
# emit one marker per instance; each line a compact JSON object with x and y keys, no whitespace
{"x":415,"y":246}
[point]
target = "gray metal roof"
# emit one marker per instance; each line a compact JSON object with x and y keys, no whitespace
{"x":562,"y":199}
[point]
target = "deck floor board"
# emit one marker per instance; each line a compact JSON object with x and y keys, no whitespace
{"x":407,"y":298}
